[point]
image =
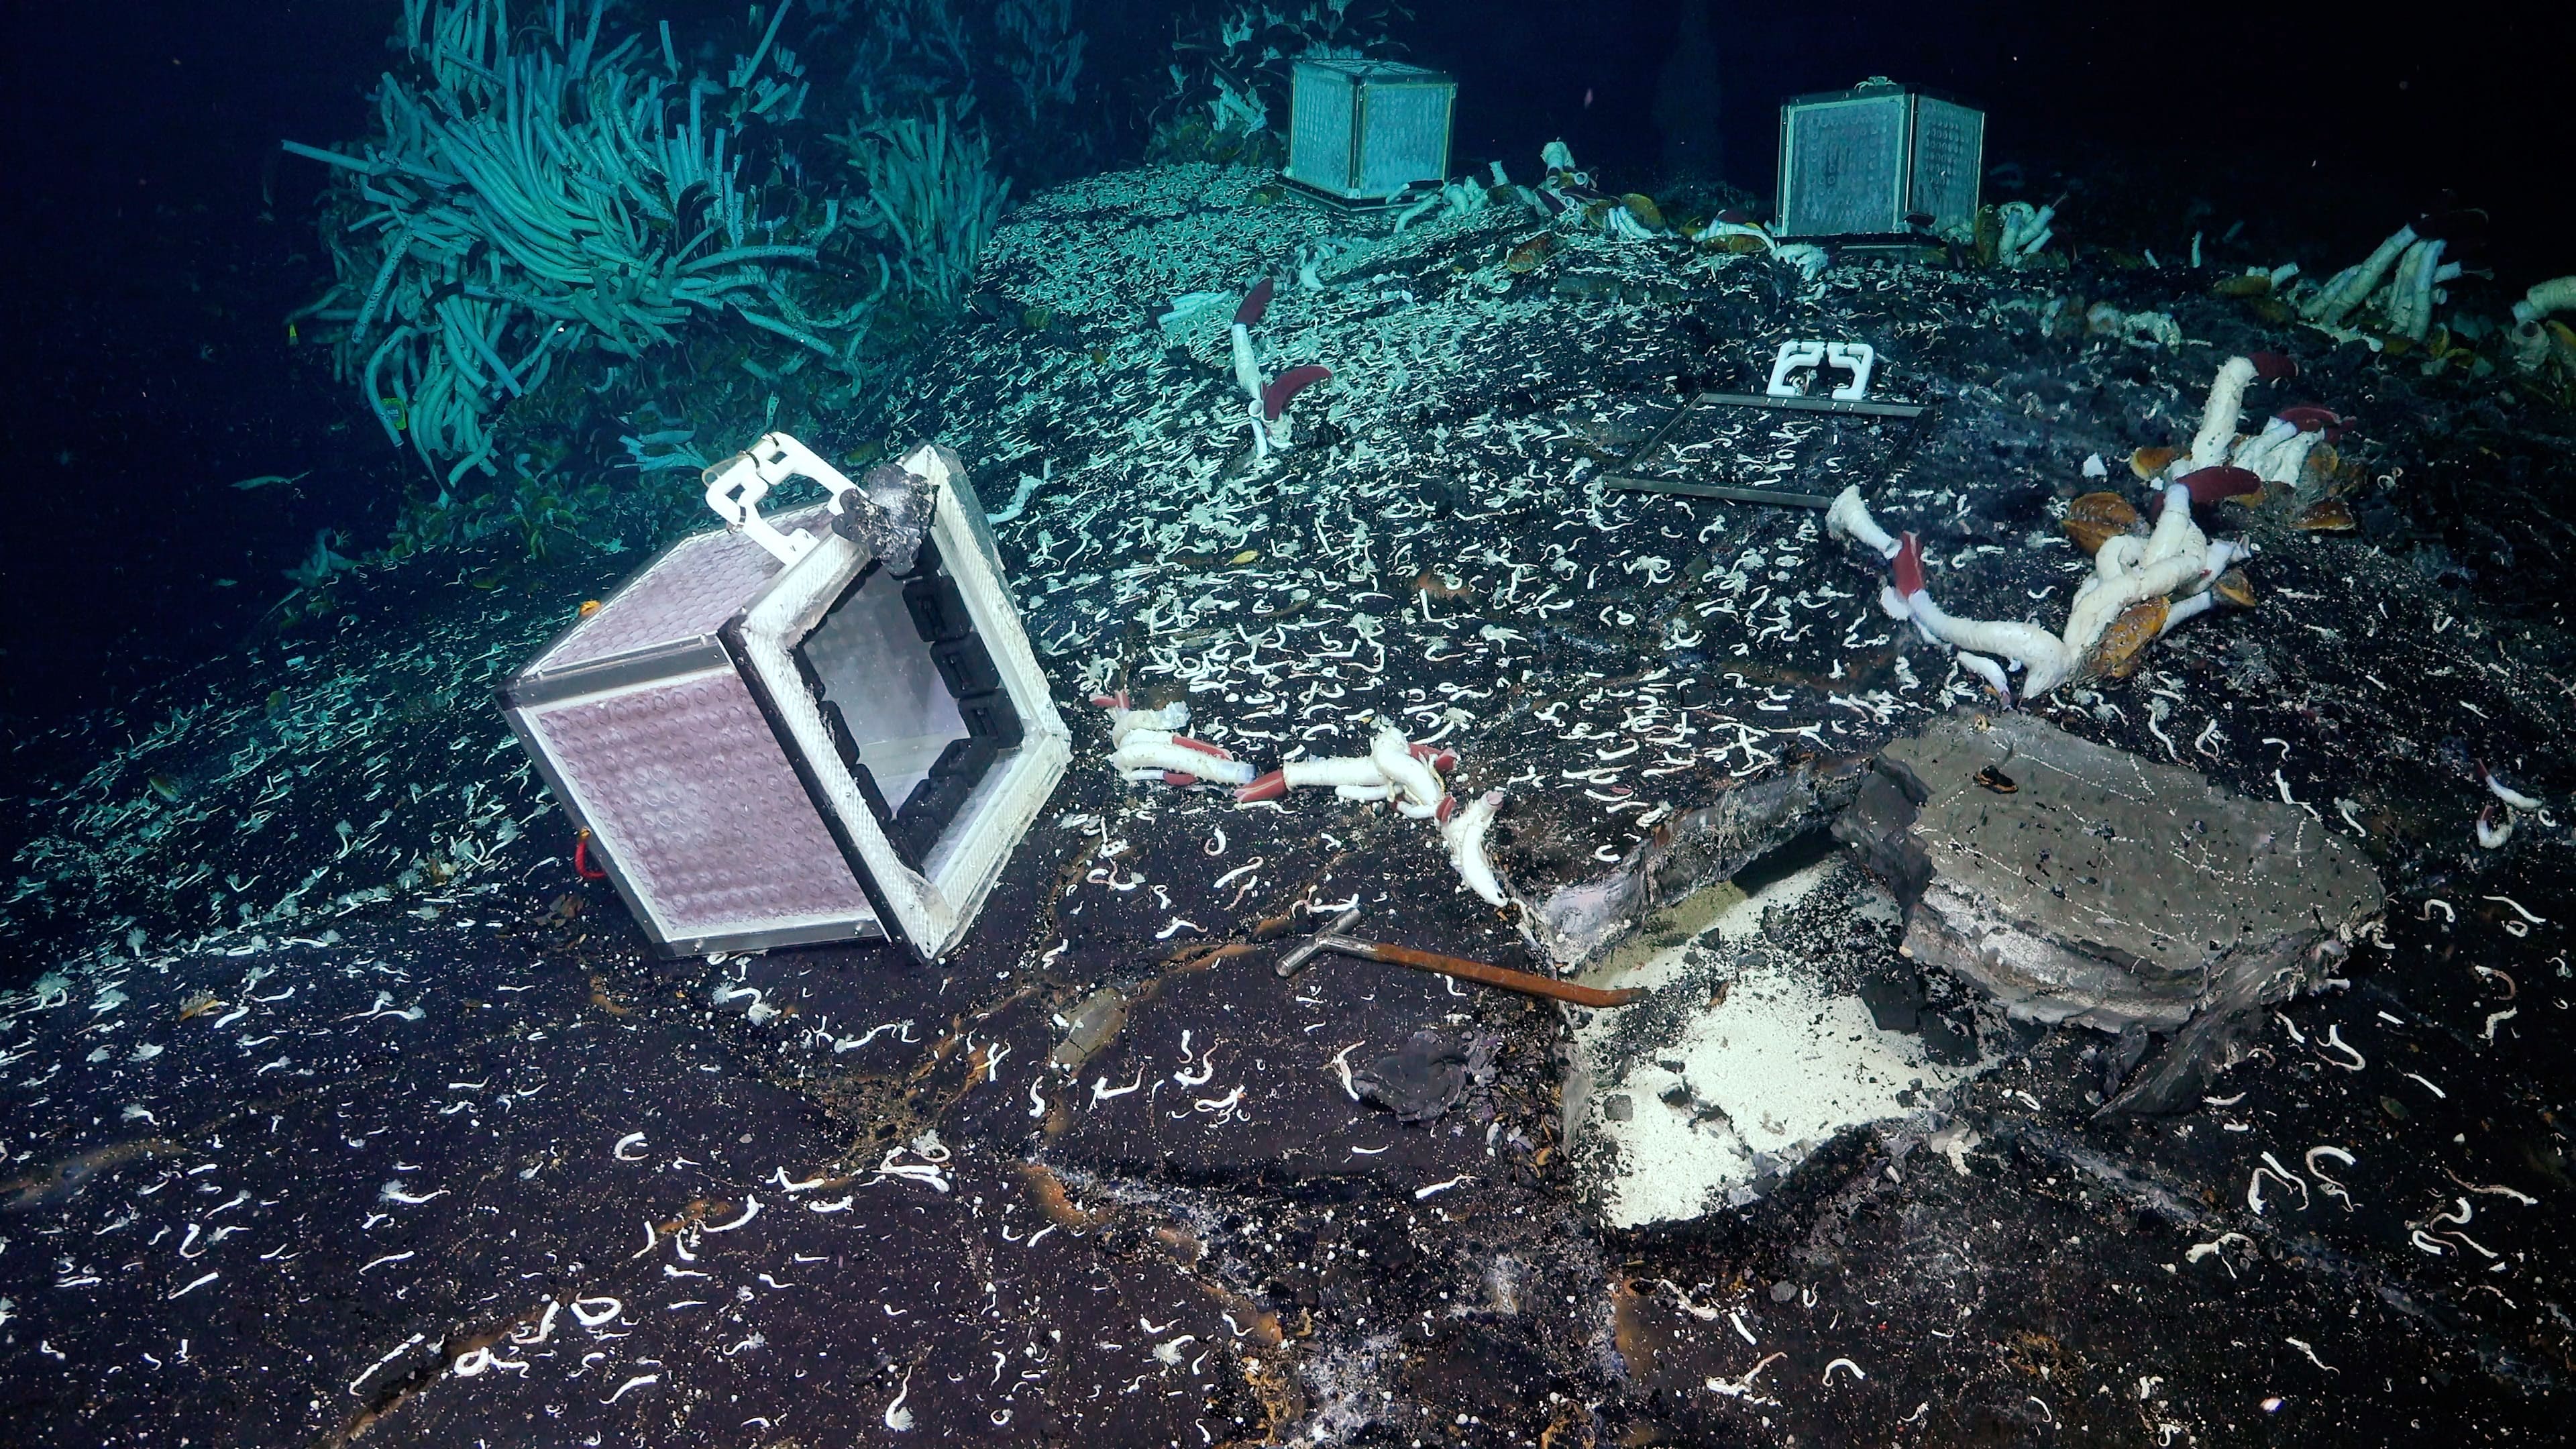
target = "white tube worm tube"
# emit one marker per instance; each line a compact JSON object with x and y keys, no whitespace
{"x":2173,"y":531}
{"x":2190,"y":608}
{"x":1989,"y":671}
{"x":2217,"y":436}
{"x":1247,"y":370}
{"x":1124,"y":722}
{"x":2558,"y":294}
{"x":1394,"y":759}
{"x":2410,"y":303}
{"x":2104,"y":598}
{"x":1850,"y":518}
{"x":2351,"y":288}
{"x":2042,"y":655}
{"x":1144,"y":752}
{"x":1336,"y":771}
{"x":1465,"y":834}
{"x":2255,"y":454}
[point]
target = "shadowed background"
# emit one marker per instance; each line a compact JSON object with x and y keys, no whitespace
{"x":156,"y":236}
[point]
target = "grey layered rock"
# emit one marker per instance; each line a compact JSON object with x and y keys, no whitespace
{"x":2074,"y":882}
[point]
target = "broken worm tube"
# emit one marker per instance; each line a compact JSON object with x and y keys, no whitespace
{"x":1395,"y":759}
{"x":1340,"y":772}
{"x":1150,"y":749}
{"x":1465,"y":835}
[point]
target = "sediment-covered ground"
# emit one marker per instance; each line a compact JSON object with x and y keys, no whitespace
{"x":339,"y":1106}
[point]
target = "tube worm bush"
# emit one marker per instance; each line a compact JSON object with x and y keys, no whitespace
{"x":537,"y":192}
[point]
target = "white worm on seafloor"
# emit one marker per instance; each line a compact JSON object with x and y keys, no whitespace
{"x":2325,"y":1184}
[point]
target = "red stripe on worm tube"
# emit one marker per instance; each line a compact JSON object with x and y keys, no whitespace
{"x":1202,"y":746}
{"x":1255,"y":302}
{"x":1438,"y":757}
{"x":1273,"y":786}
{"x":1908,"y":567}
{"x":1274,"y":398}
{"x":2309,"y":418}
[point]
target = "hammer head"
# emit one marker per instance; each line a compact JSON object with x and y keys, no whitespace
{"x":1304,"y":951}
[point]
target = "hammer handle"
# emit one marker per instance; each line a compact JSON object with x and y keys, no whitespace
{"x":1526,"y":982}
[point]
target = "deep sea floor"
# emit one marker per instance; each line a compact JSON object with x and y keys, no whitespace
{"x":337,"y":1106}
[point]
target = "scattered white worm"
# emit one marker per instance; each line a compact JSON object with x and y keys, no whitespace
{"x":2509,"y":795}
{"x":1842,"y":1363}
{"x":2516,"y":907}
{"x":2327,"y":1184}
{"x":751,"y":1209}
{"x":2254,"y":1188}
{"x":1438,"y":1187}
{"x":2523,"y":1198}
{"x":2312,"y":1355}
{"x":2499,"y":1018}
{"x":2427,"y":1083}
{"x":588,"y":1313}
{"x":397,"y":1351}
{"x":1736,"y":1317}
{"x":631,"y":1139}
{"x":545,"y":1329}
{"x":2286,"y":1175}
{"x":1738,"y":1388}
{"x":210,"y":1277}
{"x":637,"y":1382}
{"x":2334,"y":1038}
{"x":2198,"y":1251}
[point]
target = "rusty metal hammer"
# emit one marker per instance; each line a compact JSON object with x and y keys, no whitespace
{"x":1528,"y":983}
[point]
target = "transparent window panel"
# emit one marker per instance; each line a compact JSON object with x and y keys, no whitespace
{"x":1846,"y":157}
{"x":880,"y":675}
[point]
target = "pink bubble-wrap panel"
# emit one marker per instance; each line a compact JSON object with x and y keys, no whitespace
{"x":695,"y":801}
